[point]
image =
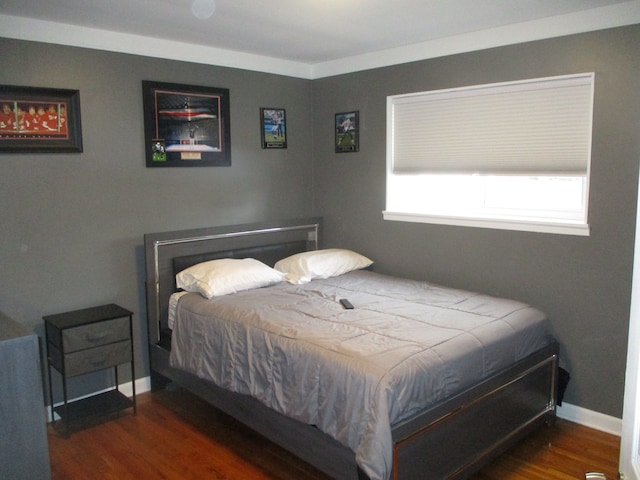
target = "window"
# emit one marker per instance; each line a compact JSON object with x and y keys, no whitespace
{"x":511,"y":155}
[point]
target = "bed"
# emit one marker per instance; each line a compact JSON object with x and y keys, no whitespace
{"x":381,"y":413}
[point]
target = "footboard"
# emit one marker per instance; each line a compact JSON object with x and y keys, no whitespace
{"x":450,"y":441}
{"x":456,"y":439}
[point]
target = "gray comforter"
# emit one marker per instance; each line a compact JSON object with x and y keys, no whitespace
{"x":353,"y":373}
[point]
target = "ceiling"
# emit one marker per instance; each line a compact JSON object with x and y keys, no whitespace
{"x":307,"y":38}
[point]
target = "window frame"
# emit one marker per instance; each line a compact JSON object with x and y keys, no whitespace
{"x":552,"y":224}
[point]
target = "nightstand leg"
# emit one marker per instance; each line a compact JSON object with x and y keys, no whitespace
{"x":133,"y":386}
{"x":133,"y":375}
{"x":50,"y":393}
{"x":66,"y":418}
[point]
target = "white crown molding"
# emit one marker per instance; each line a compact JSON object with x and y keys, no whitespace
{"x":618,"y":15}
{"x":627,"y":13}
{"x":21,"y":28}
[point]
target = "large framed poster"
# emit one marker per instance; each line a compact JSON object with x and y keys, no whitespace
{"x":186,"y":125}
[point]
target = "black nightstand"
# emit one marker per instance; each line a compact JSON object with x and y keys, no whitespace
{"x":85,"y":341}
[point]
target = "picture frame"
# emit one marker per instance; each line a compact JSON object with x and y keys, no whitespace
{"x":186,"y":125}
{"x":39,"y":120}
{"x":273,"y":127}
{"x":347,"y":132}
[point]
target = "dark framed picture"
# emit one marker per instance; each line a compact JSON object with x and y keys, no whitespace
{"x":39,"y":120}
{"x":347,"y":132}
{"x":186,"y":125}
{"x":273,"y":127}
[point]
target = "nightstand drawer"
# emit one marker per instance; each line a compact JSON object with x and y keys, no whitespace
{"x":95,"y":334}
{"x":105,"y":356}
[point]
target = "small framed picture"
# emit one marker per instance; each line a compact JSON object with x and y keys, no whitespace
{"x":186,"y":125}
{"x":39,"y":120}
{"x":273,"y":128}
{"x":346,"y":131}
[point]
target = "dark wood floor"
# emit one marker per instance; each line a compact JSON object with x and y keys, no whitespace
{"x":176,"y":436}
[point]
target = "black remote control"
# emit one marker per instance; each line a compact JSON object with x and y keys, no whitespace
{"x":346,"y":303}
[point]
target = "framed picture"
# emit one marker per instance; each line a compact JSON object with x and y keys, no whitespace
{"x":347,"y":132}
{"x":273,"y":127}
{"x":39,"y":120}
{"x":186,"y":125}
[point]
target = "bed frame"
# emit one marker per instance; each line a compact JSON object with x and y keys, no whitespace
{"x":449,"y":440}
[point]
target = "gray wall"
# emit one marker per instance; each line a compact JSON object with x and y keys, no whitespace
{"x":583,"y":283}
{"x":72,"y":225}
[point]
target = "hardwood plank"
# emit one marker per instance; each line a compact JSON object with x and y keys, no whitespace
{"x":175,"y":435}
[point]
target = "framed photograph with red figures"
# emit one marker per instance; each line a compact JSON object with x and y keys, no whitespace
{"x":39,"y":120}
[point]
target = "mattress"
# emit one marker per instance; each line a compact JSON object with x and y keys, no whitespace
{"x":406,"y":345}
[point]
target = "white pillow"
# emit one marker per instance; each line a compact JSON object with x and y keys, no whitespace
{"x":227,"y":275}
{"x":331,"y":262}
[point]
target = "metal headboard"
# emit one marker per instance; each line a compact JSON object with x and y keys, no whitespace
{"x":161,"y":248}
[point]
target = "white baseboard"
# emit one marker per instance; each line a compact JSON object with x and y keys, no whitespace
{"x":591,"y":419}
{"x":583,"y":416}
{"x":142,"y":385}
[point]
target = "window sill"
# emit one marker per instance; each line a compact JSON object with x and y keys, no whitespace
{"x":518,"y":225}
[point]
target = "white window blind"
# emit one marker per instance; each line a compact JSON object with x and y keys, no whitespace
{"x":531,"y":127}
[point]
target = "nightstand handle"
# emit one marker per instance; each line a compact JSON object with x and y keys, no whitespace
{"x":95,"y":337}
